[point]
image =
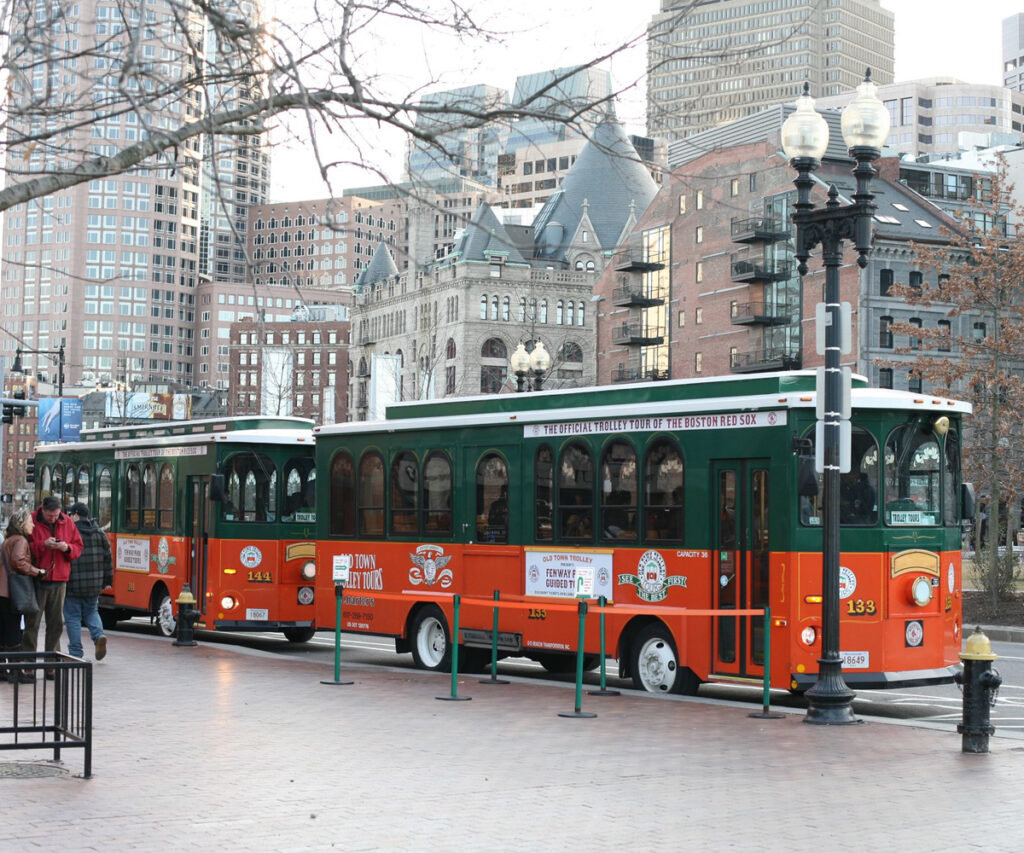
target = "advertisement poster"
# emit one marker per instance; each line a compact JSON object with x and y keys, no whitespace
{"x":553,"y":573}
{"x":60,"y":419}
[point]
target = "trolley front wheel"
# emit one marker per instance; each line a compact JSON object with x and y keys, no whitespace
{"x":655,"y":664}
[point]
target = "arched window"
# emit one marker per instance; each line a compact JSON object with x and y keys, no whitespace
{"x":449,"y":350}
{"x":522,"y":309}
{"x":571,"y":352}
{"x":492,"y":499}
{"x":483,"y":307}
{"x":558,"y":312}
{"x":579,"y":313}
{"x":543,"y":493}
{"x":82,"y":488}
{"x":69,"y":486}
{"x":149,"y":495}
{"x":494,"y":348}
{"x":542,"y":317}
{"x":619,"y":491}
{"x":437,"y":495}
{"x":251,"y":487}
{"x":371,"y":495}
{"x":590,"y":266}
{"x":570,"y":313}
{"x":663,"y":492}
{"x":132,"y":497}
{"x":913,"y":465}
{"x":579,"y":266}
{"x":165,"y":498}
{"x":404,"y":488}
{"x":343,"y":495}
{"x":104,"y":504}
{"x":576,"y":493}
{"x":494,"y":307}
{"x":505,"y":309}
{"x":298,"y":503}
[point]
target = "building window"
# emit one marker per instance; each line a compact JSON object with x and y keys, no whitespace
{"x":885,"y":332}
{"x":914,"y":383}
{"x":700,"y":271}
{"x":682,"y":319}
{"x":753,"y":182}
{"x":885,"y":377}
{"x":682,"y":204}
{"x":944,"y":343}
{"x":698,"y":362}
{"x":698,"y":316}
{"x":733,"y":356}
{"x":916,"y":280}
{"x":698,"y":234}
{"x":979,"y":331}
{"x":700,"y":200}
{"x":734,"y":187}
{"x":915,"y":340}
{"x":884,"y":282}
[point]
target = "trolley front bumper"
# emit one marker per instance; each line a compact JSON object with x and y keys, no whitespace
{"x":882,"y":680}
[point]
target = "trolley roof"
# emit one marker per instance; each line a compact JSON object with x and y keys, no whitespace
{"x":784,"y":390}
{"x":240,"y":430}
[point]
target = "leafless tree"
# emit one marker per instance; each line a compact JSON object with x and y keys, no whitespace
{"x":978,"y":355}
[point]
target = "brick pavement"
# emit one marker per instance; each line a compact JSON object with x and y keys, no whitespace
{"x":223,"y":749}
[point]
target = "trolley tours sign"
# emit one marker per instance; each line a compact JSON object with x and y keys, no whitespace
{"x":661,"y":423}
{"x":555,"y":573}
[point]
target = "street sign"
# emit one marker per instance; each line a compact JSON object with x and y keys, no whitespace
{"x":822,"y":320}
{"x":584,"y":582}
{"x":340,"y":566}
{"x":845,"y":393}
{"x":845,"y":443}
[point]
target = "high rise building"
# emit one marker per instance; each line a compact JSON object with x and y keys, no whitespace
{"x":109,"y":269}
{"x":719,"y":60}
{"x":1013,"y":52}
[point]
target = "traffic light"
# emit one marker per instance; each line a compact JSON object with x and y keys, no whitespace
{"x":30,"y":470}
{"x":8,"y":417}
{"x":19,"y":411}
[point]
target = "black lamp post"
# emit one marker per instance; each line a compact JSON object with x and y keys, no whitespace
{"x":529,"y":367}
{"x":16,"y":367}
{"x":865,"y":124}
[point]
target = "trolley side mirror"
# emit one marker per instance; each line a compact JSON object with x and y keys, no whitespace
{"x":217,"y":487}
{"x":967,"y":501}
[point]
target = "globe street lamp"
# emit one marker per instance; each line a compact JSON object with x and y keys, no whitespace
{"x":865,"y":124}
{"x":529,"y":367}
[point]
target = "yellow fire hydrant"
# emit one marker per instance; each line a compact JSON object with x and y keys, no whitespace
{"x":980,"y":684}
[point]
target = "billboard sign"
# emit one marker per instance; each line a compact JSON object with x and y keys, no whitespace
{"x":142,"y":406}
{"x":60,"y":418}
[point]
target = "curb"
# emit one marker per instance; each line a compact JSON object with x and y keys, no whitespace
{"x":1003,"y":634}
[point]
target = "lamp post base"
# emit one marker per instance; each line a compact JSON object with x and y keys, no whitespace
{"x":830,"y":701}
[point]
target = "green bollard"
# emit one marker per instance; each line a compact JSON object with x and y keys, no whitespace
{"x":494,"y":650}
{"x":339,"y":592}
{"x":582,"y":610}
{"x":764,"y":713}
{"x":454,"y":697}
{"x":604,"y":691}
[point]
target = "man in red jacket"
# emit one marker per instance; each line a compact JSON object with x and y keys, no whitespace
{"x":55,"y":543}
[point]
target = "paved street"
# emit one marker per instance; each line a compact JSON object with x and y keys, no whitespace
{"x":217,"y":748}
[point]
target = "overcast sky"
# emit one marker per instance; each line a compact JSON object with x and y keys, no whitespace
{"x":939,"y":37}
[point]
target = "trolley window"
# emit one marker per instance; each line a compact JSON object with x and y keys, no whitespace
{"x":619,"y":492}
{"x":132,"y":497}
{"x":492,"y":499}
{"x":69,"y":486}
{"x":437,"y":494}
{"x":663,"y":492}
{"x":912,"y":477}
{"x":343,"y":496}
{"x":82,"y":489}
{"x":44,"y":480}
{"x":576,"y":493}
{"x":404,"y":493}
{"x":299,"y":484}
{"x":543,"y":492}
{"x":165,"y":497}
{"x":858,"y":487}
{"x":149,"y":495}
{"x":104,"y":504}
{"x":371,"y":495}
{"x":951,"y":510}
{"x":251,"y":488}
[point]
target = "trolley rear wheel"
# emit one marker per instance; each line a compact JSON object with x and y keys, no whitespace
{"x":431,"y":642}
{"x":298,"y":635}
{"x":655,"y":664}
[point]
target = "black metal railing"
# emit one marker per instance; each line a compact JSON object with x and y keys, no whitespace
{"x":756,"y":229}
{"x":47,"y":714}
{"x":762,"y":313}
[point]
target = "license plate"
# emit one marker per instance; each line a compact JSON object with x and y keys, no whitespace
{"x":855,"y":660}
{"x":256,"y":615}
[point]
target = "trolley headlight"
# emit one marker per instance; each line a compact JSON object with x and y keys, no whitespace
{"x":921,"y":591}
{"x":809,"y":635}
{"x":305,"y":595}
{"x":227,"y":602}
{"x":308,"y":570}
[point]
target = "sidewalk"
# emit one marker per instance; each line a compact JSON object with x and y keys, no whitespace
{"x":228,"y":749}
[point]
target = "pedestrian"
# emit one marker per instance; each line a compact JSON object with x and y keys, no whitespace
{"x":91,"y":573}
{"x":17,"y":556}
{"x":55,"y":542}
